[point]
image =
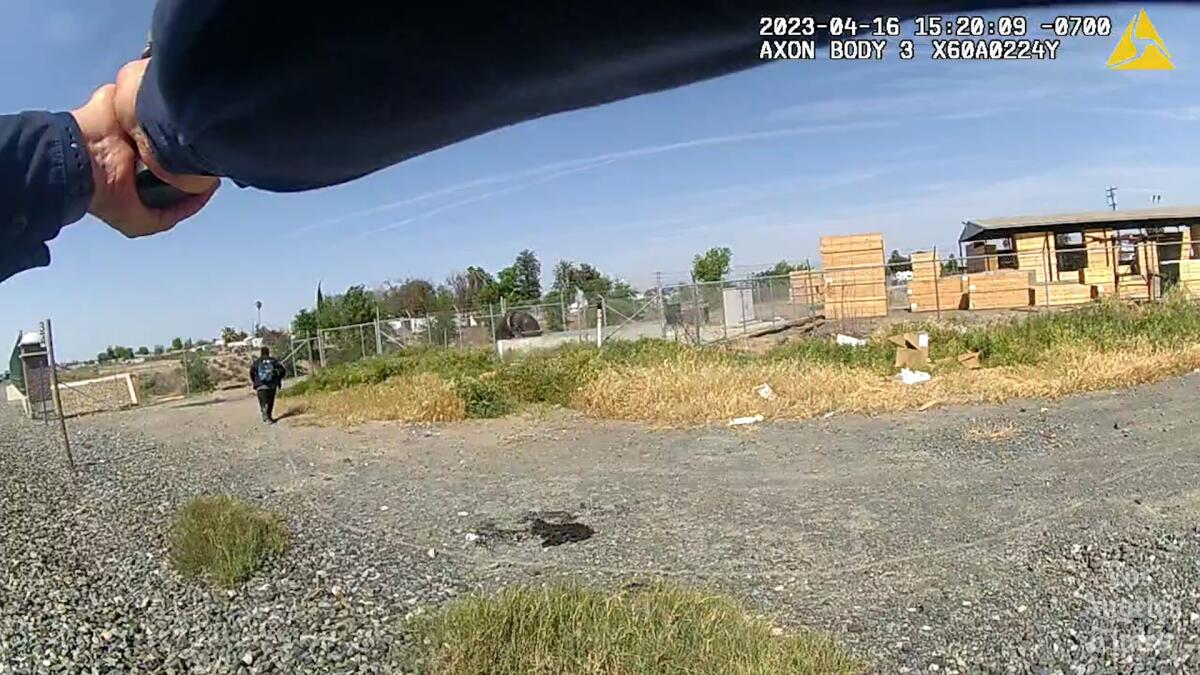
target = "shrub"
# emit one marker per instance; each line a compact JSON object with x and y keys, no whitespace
{"x":195,"y":368}
{"x":224,"y":539}
{"x":484,"y":397}
{"x":569,"y":630}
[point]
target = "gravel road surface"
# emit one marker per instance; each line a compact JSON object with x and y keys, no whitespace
{"x":1025,"y":538}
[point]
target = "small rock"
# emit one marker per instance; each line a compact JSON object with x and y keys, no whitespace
{"x":248,"y":658}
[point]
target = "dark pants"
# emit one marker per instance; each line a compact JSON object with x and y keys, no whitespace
{"x":266,"y":403}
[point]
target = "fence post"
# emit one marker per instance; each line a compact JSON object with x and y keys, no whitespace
{"x":662,"y":307}
{"x":1046,"y":271}
{"x":378,"y":334}
{"x":58,"y":409}
{"x":696,"y":310}
{"x":321,"y":347}
{"x":310,"y":354}
{"x":937,"y":284}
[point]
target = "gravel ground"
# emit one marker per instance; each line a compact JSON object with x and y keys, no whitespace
{"x":1026,"y":538}
{"x":85,"y":586}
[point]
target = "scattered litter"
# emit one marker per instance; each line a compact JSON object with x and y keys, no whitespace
{"x":432,"y":553}
{"x":383,"y":508}
{"x":929,"y":404}
{"x":463,"y":514}
{"x":912,"y":350}
{"x":850,"y":341}
{"x":914,"y":376}
{"x":970,"y":361}
{"x":741,"y":421}
{"x":1045,"y":410}
{"x":472,"y":537}
{"x":827,"y":415}
{"x":765,"y":391}
{"x":776,"y":631}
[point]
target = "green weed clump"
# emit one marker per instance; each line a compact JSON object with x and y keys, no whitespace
{"x":572,"y":630}
{"x":224,"y":539}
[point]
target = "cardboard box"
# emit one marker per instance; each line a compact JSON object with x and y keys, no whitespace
{"x":970,"y":361}
{"x":912,"y":350}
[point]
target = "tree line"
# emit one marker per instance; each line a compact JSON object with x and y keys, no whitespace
{"x":475,"y":290}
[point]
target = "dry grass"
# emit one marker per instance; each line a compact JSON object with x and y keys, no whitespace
{"x":686,"y":391}
{"x":423,"y":397}
{"x":578,"y":631}
{"x":993,"y":432}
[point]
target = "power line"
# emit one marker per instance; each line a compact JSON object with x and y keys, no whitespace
{"x":1112,"y":197}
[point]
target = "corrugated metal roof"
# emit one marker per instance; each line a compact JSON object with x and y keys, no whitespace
{"x":979,"y":229}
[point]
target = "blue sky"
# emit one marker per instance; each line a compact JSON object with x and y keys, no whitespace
{"x":764,"y":162}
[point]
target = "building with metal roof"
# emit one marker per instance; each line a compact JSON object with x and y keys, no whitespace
{"x":1060,"y":223}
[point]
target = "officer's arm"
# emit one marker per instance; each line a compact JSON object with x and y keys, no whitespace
{"x":45,"y":184}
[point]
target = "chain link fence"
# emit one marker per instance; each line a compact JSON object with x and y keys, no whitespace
{"x":1033,"y":274}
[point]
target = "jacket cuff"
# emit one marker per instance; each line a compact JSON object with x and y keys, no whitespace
{"x":70,"y":153}
{"x":169,"y":143}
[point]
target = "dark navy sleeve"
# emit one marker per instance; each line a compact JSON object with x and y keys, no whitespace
{"x":282,"y":97}
{"x":45,"y":184}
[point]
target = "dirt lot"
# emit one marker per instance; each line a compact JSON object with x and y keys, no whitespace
{"x":1027,"y":537}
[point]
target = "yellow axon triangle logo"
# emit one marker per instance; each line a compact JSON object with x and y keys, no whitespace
{"x":1154,"y":54}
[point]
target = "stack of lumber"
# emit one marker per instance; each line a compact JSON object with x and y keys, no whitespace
{"x":1189,"y":277}
{"x":929,"y":291}
{"x":1061,"y":294}
{"x":1100,"y":253}
{"x":1133,"y":287}
{"x":1002,"y":289}
{"x":855,"y":276}
{"x":1035,"y":253}
{"x":807,"y":287}
{"x":1097,"y":276}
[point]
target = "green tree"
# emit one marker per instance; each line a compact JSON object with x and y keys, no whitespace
{"x":527,"y":277}
{"x":159,"y":350}
{"x":143,"y":351}
{"x":713,"y":265}
{"x":781,"y":268}
{"x":189,"y":343}
{"x":305,"y":323}
{"x":231,"y":334}
{"x":952,"y":266}
{"x":355,"y":306}
{"x":413,"y":296}
{"x":899,"y":263}
{"x":176,"y":344}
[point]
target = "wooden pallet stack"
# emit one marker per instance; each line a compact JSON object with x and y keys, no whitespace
{"x":1002,"y":289}
{"x":807,"y":287}
{"x":855,"y":276}
{"x":929,"y":291}
{"x":1035,"y":253}
{"x":1061,"y":294}
{"x":1189,"y":277}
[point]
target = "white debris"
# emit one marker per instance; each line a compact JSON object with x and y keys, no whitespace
{"x":472,"y":537}
{"x":765,"y":391}
{"x":850,"y":341}
{"x":914,"y":376}
{"x":432,"y":553}
{"x":740,"y":421}
{"x":383,"y":508}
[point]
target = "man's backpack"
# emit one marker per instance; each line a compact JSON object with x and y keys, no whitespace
{"x":268,"y":372}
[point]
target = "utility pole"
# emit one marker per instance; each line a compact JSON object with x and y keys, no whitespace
{"x":1112,"y":197}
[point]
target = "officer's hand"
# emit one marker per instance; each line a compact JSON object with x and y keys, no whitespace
{"x":114,"y":168}
{"x":129,"y":83}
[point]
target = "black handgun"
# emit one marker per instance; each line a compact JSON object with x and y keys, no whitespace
{"x":151,"y":189}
